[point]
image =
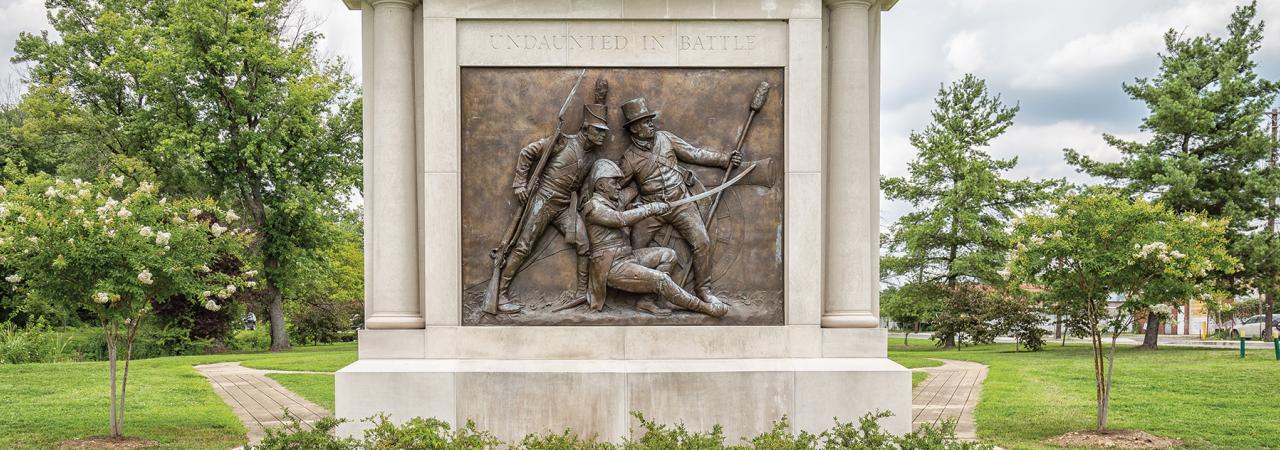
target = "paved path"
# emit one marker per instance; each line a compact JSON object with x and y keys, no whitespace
{"x":950,"y":392}
{"x":258,"y":401}
{"x":1166,"y":340}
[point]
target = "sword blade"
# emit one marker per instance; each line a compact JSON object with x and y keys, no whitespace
{"x":715,"y":190}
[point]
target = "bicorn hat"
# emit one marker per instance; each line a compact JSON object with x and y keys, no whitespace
{"x":596,"y":116}
{"x":635,"y":109}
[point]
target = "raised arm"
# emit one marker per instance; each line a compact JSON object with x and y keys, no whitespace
{"x":686,"y":152}
{"x":598,"y":213}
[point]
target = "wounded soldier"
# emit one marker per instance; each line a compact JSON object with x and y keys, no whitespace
{"x":614,"y":264}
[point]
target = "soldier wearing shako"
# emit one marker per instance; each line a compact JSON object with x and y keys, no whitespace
{"x":653,"y":161}
{"x":555,"y":201}
{"x":614,"y":263}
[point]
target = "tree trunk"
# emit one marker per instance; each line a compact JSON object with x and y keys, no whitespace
{"x":1270,"y":302}
{"x":1057,"y":326}
{"x":1186,"y":318}
{"x":111,"y":374}
{"x":1151,"y":336}
{"x":279,"y":335}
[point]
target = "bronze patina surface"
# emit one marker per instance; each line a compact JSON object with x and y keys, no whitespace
{"x":506,"y":110}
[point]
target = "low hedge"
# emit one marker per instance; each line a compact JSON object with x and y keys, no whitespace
{"x":433,"y":434}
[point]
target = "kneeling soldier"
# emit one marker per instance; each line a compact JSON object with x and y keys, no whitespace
{"x":614,"y":263}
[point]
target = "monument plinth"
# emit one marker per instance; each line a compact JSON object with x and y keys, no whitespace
{"x":575,"y":210}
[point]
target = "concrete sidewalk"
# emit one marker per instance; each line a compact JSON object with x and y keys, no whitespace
{"x":951,"y":391}
{"x":259,"y":401}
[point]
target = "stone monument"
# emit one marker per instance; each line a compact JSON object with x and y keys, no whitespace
{"x":578,"y":209}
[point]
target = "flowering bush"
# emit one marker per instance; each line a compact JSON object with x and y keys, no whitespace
{"x":112,"y":248}
{"x":1096,"y":245}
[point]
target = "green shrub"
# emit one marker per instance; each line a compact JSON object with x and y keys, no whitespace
{"x":433,"y":434}
{"x":251,"y":340}
{"x":32,"y":344}
{"x":152,"y":341}
{"x":297,"y":435}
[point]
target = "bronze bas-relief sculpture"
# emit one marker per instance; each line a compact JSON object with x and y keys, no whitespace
{"x":634,"y":228}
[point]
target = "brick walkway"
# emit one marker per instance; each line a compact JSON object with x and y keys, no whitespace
{"x":258,"y":401}
{"x":950,"y":392}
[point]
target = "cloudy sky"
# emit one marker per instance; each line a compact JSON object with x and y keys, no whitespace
{"x":1063,"y":61}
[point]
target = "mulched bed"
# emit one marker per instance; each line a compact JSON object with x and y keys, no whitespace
{"x":1114,"y":439}
{"x":121,"y":443}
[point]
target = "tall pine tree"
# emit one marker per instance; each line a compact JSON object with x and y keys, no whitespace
{"x":1207,"y":151}
{"x":957,"y":233}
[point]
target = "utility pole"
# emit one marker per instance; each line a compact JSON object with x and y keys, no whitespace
{"x":1269,"y":298}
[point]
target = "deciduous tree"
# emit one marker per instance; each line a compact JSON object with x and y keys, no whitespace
{"x":1098,"y":245}
{"x":225,"y":98}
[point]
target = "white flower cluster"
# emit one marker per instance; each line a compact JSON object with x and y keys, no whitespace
{"x":102,"y":297}
{"x":15,"y":278}
{"x":1159,"y":249}
{"x":117,"y":180}
{"x":217,"y":230}
{"x":145,"y":277}
{"x":211,"y":305}
{"x":1162,"y":309}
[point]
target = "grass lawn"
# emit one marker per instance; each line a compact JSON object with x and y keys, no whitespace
{"x":1207,"y":398}
{"x":315,"y":387}
{"x":169,"y":402}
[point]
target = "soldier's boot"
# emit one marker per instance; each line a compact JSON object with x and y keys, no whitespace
{"x":505,"y":305}
{"x":704,"y":292}
{"x":648,"y":305}
{"x":682,"y":298}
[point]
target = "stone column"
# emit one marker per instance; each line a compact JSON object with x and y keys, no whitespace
{"x":852,"y":279}
{"x":390,"y":182}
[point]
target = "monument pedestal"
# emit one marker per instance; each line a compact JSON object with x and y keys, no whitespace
{"x":590,"y":379}
{"x":454,"y":89}
{"x":512,"y":398}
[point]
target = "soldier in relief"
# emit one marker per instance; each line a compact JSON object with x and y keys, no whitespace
{"x":653,"y":162}
{"x":614,"y":263}
{"x":554,"y":202}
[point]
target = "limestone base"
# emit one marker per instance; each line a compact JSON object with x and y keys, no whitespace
{"x":512,"y":398}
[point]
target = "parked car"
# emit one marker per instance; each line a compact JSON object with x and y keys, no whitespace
{"x":1252,"y":327}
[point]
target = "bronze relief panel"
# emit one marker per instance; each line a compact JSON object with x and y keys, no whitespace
{"x":629,"y":196}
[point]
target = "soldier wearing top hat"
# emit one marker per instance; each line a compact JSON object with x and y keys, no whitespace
{"x":555,"y":201}
{"x":652,"y":161}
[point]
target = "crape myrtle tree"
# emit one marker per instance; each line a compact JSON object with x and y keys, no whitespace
{"x":957,"y":232}
{"x":113,"y":249}
{"x":1207,"y":151}
{"x":225,"y":98}
{"x":1096,"y":245}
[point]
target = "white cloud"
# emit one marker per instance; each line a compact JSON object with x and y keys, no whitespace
{"x":964,"y":54}
{"x":1123,"y":44}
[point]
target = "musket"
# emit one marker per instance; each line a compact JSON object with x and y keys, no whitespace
{"x":500,"y":253}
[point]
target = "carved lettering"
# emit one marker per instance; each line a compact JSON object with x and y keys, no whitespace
{"x":618,"y":42}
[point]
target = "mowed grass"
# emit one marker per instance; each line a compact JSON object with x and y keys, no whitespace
{"x":169,"y":402}
{"x":315,"y":387}
{"x":1208,"y":398}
